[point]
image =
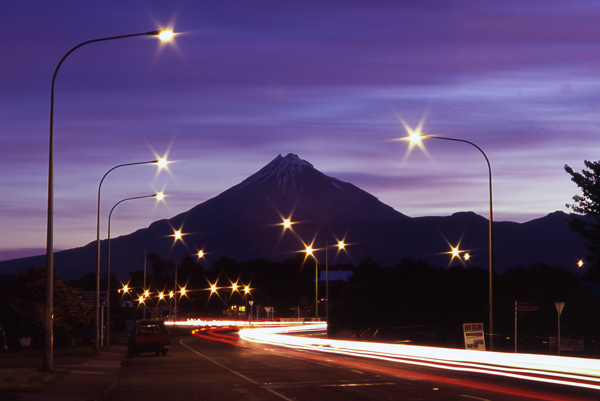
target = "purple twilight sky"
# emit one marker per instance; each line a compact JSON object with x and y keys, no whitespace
{"x":331,"y":81}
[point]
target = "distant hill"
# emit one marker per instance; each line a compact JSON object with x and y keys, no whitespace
{"x":243,"y":223}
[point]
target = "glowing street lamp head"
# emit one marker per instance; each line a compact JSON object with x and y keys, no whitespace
{"x":213,"y":288}
{"x":147,"y":294}
{"x":455,"y":252}
{"x":341,"y":245}
{"x":177,"y":234}
{"x":287,"y":223}
{"x":246,"y":289}
{"x":309,"y":250}
{"x":165,"y":35}
{"x":162,"y":163}
{"x":160,"y":196}
{"x":415,"y":137}
{"x":183,"y":291}
{"x":200,"y":254}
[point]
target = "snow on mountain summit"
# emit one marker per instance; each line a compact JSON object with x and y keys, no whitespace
{"x":289,"y":183}
{"x":279,"y":170}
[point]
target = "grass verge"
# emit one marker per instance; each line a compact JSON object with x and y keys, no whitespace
{"x":20,"y":371}
{"x":27,"y":380}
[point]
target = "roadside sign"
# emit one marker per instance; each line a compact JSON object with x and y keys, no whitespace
{"x":559,"y":307}
{"x":526,"y":308}
{"x":474,"y":336}
{"x":572,"y":344}
{"x":89,"y":297}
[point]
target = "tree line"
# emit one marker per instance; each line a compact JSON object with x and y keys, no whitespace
{"x":412,"y":300}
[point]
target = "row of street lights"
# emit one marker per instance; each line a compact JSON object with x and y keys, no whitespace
{"x":161,"y":163}
{"x":163,"y":35}
{"x":455,"y":253}
{"x":146,"y":294}
{"x":243,"y":289}
{"x":287,"y":224}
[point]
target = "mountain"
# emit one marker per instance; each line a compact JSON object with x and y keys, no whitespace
{"x":285,"y":185}
{"x":244,"y":222}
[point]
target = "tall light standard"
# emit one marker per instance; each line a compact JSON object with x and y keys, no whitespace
{"x":164,"y":35}
{"x":416,"y":137}
{"x":177,"y":235}
{"x":161,"y":163}
{"x":341,"y":245}
{"x":309,"y":252}
{"x":159,"y":196}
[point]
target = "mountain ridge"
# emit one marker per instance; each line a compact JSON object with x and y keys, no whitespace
{"x":243,"y":223}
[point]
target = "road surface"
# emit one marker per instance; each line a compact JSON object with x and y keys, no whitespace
{"x":201,"y":368}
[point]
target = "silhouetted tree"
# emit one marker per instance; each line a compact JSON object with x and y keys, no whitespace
{"x":587,"y":205}
{"x":160,"y":271}
{"x":26,"y":302}
{"x":541,"y":286}
{"x":87,"y":282}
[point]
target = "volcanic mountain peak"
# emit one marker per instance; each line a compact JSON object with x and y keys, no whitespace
{"x":278,"y":171}
{"x":285,"y":185}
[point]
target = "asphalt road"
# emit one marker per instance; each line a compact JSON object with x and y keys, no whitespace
{"x":204,"y":369}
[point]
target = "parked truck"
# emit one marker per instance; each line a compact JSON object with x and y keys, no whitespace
{"x":149,"y":335}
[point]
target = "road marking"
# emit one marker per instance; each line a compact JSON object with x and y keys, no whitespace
{"x":278,"y":353}
{"x":233,"y":371}
{"x":475,"y":398}
{"x":358,"y":384}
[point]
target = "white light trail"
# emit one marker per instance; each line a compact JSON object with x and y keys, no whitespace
{"x":578,"y":372}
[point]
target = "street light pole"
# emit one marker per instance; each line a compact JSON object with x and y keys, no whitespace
{"x":415,"y":136}
{"x":48,"y":321}
{"x":316,"y":289}
{"x":177,"y":235}
{"x":157,"y":196}
{"x":326,"y":280}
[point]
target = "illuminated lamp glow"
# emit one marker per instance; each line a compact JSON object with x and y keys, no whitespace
{"x":165,"y":35}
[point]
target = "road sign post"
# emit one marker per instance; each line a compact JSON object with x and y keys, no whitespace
{"x":559,"y":309}
{"x":521,"y":308}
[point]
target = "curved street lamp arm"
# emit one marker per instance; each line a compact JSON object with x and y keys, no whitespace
{"x":490,"y":229}
{"x":108,"y":262}
{"x":470,"y":143}
{"x":121,"y":201}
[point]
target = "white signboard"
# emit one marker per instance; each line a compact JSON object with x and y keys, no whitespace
{"x":474,"y":336}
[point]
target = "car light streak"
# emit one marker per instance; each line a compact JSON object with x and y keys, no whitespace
{"x":239,"y":323}
{"x":577,"y":372}
{"x":213,"y":333}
